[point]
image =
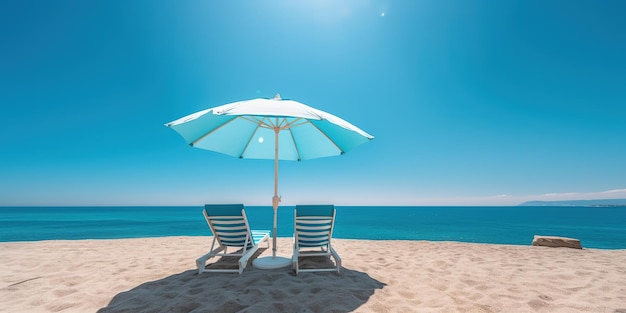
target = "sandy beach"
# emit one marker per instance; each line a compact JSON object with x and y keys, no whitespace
{"x":158,"y":275}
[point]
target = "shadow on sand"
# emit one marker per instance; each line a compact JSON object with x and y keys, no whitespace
{"x":254,"y":291}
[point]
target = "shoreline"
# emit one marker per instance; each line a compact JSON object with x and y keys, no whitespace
{"x":289,"y":238}
{"x":158,"y":273}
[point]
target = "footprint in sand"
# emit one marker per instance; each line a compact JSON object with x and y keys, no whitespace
{"x":64,"y":292}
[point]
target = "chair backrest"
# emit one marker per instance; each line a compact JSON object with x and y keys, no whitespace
{"x":229,"y":224}
{"x":314,"y":225}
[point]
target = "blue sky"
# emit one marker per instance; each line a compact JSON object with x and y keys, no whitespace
{"x":471,"y":102}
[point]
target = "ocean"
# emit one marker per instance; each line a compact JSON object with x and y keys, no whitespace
{"x":596,"y":227}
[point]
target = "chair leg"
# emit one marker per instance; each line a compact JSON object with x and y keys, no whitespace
{"x":337,"y":258}
{"x":294,"y":261}
{"x":201,"y":261}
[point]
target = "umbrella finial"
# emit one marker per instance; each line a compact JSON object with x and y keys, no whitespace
{"x":277,"y":97}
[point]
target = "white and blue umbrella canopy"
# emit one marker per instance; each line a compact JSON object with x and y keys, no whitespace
{"x":247,"y":129}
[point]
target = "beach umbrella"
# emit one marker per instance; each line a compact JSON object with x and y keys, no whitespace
{"x":276,"y":129}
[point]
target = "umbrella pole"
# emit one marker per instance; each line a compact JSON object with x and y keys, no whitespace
{"x":274,"y":261}
{"x":276,"y":198}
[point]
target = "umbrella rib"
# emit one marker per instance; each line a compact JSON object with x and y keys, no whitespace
{"x":329,"y":139}
{"x":254,"y":120}
{"x":249,"y":141}
{"x":193,"y":143}
{"x":291,"y":124}
{"x":283,"y":124}
{"x":295,"y":144}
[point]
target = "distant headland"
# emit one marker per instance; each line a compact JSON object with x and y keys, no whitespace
{"x":591,"y":203}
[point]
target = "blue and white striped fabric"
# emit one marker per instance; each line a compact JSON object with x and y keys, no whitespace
{"x":230,"y":228}
{"x":314,"y":229}
{"x":314,"y":225}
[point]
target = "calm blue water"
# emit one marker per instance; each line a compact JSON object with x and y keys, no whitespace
{"x":603,"y":228}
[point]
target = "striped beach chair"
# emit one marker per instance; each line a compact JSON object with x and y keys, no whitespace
{"x":230,"y":228}
{"x":313,"y":236}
